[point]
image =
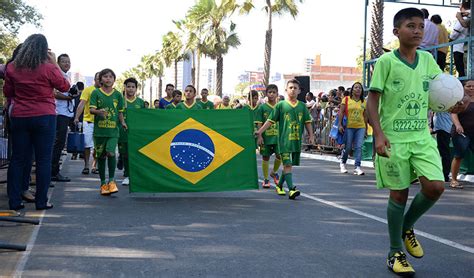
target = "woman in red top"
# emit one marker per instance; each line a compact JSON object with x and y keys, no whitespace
{"x":29,"y":83}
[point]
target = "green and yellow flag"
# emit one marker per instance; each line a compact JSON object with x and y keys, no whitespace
{"x":191,"y":150}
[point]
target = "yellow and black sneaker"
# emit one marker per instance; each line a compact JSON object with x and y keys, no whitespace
{"x":399,"y":265}
{"x":412,"y":245}
{"x":280,"y":191}
{"x":293,"y":193}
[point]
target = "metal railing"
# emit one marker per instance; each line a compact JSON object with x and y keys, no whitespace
{"x":368,"y":65}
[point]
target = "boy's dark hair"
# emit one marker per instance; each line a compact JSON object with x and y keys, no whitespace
{"x":270,"y":87}
{"x":204,"y":89}
{"x":405,"y":14}
{"x":146,"y":102}
{"x":466,"y":4}
{"x":293,"y":81}
{"x":176,"y":93}
{"x":191,"y":86}
{"x":347,"y":93}
{"x":425,"y":12}
{"x":324,"y":98}
{"x":341,"y":88}
{"x":436,"y":19}
{"x":131,"y":80}
{"x":169,"y":85}
{"x":106,"y":71}
{"x":310,"y":94}
{"x":252,"y":93}
{"x":61,"y":56}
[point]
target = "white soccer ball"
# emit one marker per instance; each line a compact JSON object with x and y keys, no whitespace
{"x":445,"y":91}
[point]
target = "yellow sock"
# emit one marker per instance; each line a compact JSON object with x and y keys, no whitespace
{"x":276,"y":165}
{"x":265,"y":169}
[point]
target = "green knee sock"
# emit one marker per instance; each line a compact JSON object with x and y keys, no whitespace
{"x":395,"y":213}
{"x":276,"y":165}
{"x":101,"y":164}
{"x":418,"y":207}
{"x":289,"y":181}
{"x":111,"y":163}
{"x":265,"y":169}
{"x":282,"y":180}
{"x":126,"y":167}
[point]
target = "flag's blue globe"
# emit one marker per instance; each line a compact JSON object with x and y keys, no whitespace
{"x":192,"y":150}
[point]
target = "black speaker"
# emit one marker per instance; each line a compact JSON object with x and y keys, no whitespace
{"x":304,"y":87}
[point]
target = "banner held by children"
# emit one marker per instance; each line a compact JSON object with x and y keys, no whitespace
{"x":191,"y":150}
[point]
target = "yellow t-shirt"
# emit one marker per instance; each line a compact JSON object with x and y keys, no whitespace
{"x":221,"y":106}
{"x":86,"y":96}
{"x":355,"y":111}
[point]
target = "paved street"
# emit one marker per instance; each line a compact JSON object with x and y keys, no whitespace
{"x":333,"y":230}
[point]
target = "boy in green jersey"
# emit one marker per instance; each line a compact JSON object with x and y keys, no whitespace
{"x":177,"y":96}
{"x":204,"y":102}
{"x":189,"y":99}
{"x":131,"y":102}
{"x":292,"y":116}
{"x":404,"y":146}
{"x":270,"y":138}
{"x":106,"y":104}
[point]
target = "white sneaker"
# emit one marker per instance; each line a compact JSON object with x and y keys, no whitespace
{"x":358,"y":171}
{"x":126,"y":181}
{"x":343,"y":167}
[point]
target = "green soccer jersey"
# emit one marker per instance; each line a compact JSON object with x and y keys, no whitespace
{"x":171,"y":106}
{"x":291,"y":120}
{"x":270,"y":136}
{"x":113,"y":104}
{"x":183,"y":105}
{"x":404,"y":95}
{"x":136,"y":103}
{"x":206,"y":105}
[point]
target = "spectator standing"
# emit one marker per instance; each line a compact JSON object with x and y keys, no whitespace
{"x":463,"y":134}
{"x":442,"y":127}
{"x":459,"y":32}
{"x":225,"y":103}
{"x":156,"y":104}
{"x":443,"y":37}
{"x":30,"y":81}
{"x":430,"y":35}
{"x":464,"y":15}
{"x":165,"y":101}
{"x":64,"y":113}
{"x":87,"y":125}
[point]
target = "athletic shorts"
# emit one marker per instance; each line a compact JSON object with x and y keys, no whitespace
{"x":462,"y":144}
{"x":407,"y":162}
{"x":291,"y":158}
{"x":268,"y":150}
{"x":88,"y":130}
{"x":104,"y":145}
{"x":123,"y":148}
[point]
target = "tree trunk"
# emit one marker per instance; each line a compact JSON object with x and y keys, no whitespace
{"x":160,"y":87}
{"x":176,"y":74}
{"x":219,"y":74}
{"x":143,"y":88}
{"x":198,"y":70}
{"x":268,"y":46}
{"x":151,"y":89}
{"x":193,"y":69}
{"x":376,"y":30}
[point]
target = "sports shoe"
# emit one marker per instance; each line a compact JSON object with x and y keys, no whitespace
{"x":399,"y":265}
{"x":112,"y":187}
{"x":412,"y":245}
{"x":280,"y":191}
{"x":266,"y":184}
{"x":276,"y":178}
{"x":358,"y":171}
{"x":293,"y":193}
{"x":343,"y":167}
{"x":126,"y":181}
{"x":104,"y":190}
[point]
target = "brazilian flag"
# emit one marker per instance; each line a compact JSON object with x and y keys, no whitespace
{"x":191,"y":150}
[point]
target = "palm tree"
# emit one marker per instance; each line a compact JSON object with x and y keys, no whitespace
{"x":216,"y":41}
{"x":157,"y":65}
{"x":173,"y":52}
{"x":376,"y":29}
{"x":278,"y":7}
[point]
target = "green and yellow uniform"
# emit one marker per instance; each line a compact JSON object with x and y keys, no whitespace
{"x":270,"y":136}
{"x":355,"y":111}
{"x":222,"y":106}
{"x":171,"y":106}
{"x":183,"y":105}
{"x":135,"y":103}
{"x":86,"y":96}
{"x":106,"y":130}
{"x":206,"y":105}
{"x":403,"y":113}
{"x":291,"y":120}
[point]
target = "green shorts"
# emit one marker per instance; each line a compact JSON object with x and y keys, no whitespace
{"x":104,"y":145}
{"x":123,"y":148}
{"x":291,"y":158}
{"x":407,"y":162}
{"x":268,"y":150}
